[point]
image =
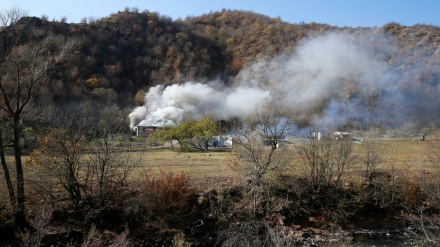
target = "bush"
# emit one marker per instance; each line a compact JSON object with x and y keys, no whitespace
{"x":165,"y":195}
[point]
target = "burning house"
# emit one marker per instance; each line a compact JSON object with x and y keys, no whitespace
{"x":145,"y":128}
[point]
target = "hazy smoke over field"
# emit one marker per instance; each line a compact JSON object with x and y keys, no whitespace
{"x":335,"y":77}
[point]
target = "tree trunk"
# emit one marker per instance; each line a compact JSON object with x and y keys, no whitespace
{"x":6,"y":172}
{"x":206,"y":145}
{"x":180,"y":143}
{"x":73,"y":186}
{"x":19,"y":211}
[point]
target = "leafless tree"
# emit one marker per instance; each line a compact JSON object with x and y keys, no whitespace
{"x":256,"y":149}
{"x":371,"y":157}
{"x":57,"y":157}
{"x":325,"y":158}
{"x":110,"y":160}
{"x":256,"y":142}
{"x":22,"y":69}
{"x":11,"y":16}
{"x":109,"y":164}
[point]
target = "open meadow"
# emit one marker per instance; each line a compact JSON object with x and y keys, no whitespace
{"x":196,"y":164}
{"x":408,"y":155}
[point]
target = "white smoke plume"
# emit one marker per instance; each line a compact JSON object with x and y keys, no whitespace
{"x":340,"y":77}
{"x":194,"y":100}
{"x":335,"y":72}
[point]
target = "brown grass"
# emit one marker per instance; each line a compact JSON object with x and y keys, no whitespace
{"x":407,"y":154}
{"x":204,"y":164}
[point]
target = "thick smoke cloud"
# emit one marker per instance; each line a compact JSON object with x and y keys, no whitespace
{"x":193,"y":101}
{"x":335,"y":76}
{"x":340,"y":78}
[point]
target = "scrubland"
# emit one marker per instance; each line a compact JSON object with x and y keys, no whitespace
{"x":199,"y":198}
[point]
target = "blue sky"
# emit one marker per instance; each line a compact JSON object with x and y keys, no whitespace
{"x":352,"y":13}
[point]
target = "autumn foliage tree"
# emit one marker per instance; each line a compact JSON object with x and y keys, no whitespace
{"x":180,"y":132}
{"x":204,"y":130}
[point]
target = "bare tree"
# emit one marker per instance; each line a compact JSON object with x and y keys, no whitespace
{"x":256,"y":143}
{"x":58,"y":157}
{"x":326,"y":159}
{"x":371,"y":157}
{"x":255,"y":148}
{"x":107,"y":169}
{"x":11,"y":16}
{"x":22,"y":69}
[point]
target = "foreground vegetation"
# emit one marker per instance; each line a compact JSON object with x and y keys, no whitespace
{"x":128,"y":196}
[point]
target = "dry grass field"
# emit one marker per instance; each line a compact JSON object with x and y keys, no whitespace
{"x":408,"y":155}
{"x":195,"y":164}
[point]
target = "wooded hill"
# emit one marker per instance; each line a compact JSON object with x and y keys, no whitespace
{"x":122,"y":55}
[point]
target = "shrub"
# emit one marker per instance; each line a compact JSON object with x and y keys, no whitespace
{"x":165,"y":194}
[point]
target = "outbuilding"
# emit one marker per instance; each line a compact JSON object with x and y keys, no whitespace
{"x":145,"y":128}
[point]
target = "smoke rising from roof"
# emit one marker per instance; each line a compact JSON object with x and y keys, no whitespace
{"x":339,"y":78}
{"x":193,"y":101}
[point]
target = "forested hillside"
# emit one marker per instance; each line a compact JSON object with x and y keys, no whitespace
{"x":123,"y":55}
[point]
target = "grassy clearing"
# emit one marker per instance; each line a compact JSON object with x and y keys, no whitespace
{"x":406,"y":154}
{"x":195,"y":164}
{"x":399,"y":151}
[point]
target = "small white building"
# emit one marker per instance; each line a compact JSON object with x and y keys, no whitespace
{"x":341,"y":135}
{"x":215,"y":141}
{"x":222,"y":141}
{"x":317,"y":135}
